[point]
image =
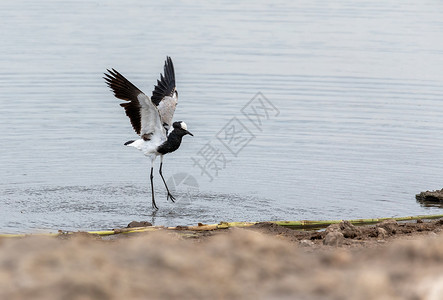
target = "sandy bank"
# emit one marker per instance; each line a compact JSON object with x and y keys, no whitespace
{"x":264,"y":262}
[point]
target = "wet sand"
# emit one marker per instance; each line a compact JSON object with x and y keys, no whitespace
{"x":265,"y":261}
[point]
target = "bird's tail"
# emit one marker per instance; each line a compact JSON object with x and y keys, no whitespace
{"x":138,"y":144}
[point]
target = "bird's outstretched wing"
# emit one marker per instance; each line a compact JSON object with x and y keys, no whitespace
{"x":165,"y":95}
{"x":144,"y":115}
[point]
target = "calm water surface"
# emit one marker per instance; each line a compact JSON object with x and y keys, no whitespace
{"x":352,"y":126}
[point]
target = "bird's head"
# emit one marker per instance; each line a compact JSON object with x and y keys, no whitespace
{"x":181,"y":127}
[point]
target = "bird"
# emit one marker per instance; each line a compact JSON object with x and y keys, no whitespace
{"x":151,"y":118}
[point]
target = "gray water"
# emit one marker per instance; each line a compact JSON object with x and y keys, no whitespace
{"x":352,"y":125}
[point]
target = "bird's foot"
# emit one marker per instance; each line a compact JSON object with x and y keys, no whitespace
{"x":170,"y":196}
{"x":154,"y":206}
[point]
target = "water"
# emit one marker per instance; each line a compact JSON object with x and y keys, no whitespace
{"x":353,"y":130}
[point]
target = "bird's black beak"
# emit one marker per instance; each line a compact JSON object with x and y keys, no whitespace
{"x":187,"y":132}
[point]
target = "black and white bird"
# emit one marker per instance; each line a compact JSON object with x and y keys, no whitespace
{"x":151,"y":118}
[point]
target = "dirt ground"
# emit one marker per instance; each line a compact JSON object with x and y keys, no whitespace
{"x":265,"y":261}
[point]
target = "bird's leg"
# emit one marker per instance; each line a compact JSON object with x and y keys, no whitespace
{"x":152,"y":189}
{"x":161,"y":174}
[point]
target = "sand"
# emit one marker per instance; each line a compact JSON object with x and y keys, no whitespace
{"x":266,"y":261}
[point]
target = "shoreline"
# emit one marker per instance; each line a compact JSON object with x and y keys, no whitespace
{"x":303,"y":225}
{"x":390,"y":260}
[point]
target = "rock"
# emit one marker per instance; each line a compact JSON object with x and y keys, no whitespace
{"x":333,"y":228}
{"x":139,"y":224}
{"x":306,"y":243}
{"x":381,"y":233}
{"x":349,"y":230}
{"x":430,"y":196}
{"x":334,"y":238}
{"x":390,"y":226}
{"x":346,"y":228}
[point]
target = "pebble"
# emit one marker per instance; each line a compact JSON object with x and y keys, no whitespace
{"x":306,"y":243}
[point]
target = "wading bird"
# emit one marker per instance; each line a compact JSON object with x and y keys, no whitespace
{"x":151,"y":118}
